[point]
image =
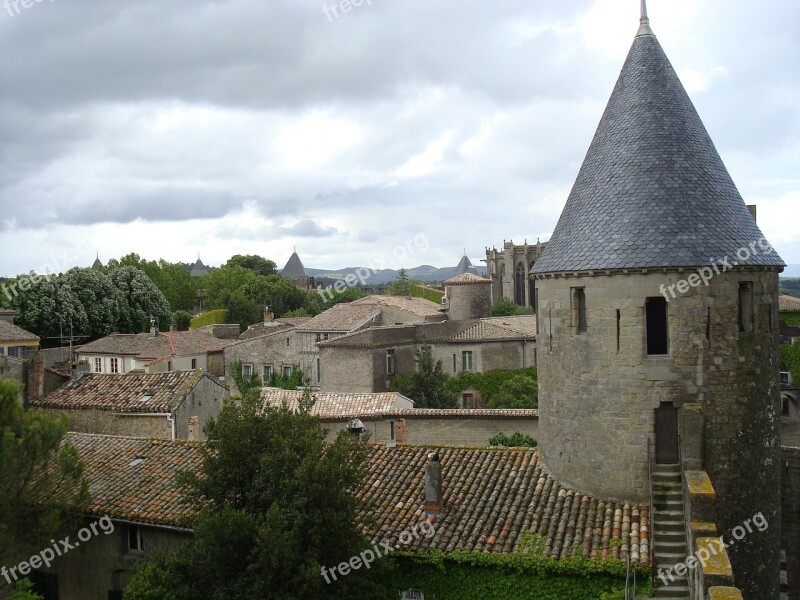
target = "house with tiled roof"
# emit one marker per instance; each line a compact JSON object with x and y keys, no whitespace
{"x":154,"y":352}
{"x":267,"y":350}
{"x":399,"y":310}
{"x":15,"y":341}
{"x":173,"y":405}
{"x":367,"y":360}
{"x":467,"y":503}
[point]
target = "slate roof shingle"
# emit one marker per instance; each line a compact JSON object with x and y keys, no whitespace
{"x":145,"y":346}
{"x":492,"y":498}
{"x":12,"y":333}
{"x":343,"y":317}
{"x":652,"y":190}
{"x":339,"y":406}
{"x":294,"y":267}
{"x":124,"y":392}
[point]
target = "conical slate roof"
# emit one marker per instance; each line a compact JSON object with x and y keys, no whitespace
{"x":199,"y":269}
{"x":652,"y":190}
{"x":464,"y":266}
{"x":294,"y":267}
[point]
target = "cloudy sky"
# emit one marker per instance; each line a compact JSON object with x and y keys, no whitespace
{"x":172,"y":128}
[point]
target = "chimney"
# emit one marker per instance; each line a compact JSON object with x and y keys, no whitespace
{"x":194,"y":429}
{"x":79,"y":369}
{"x":153,"y":326}
{"x":433,"y":485}
{"x":268,"y":316}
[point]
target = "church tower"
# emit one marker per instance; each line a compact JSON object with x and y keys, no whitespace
{"x":657,"y":317}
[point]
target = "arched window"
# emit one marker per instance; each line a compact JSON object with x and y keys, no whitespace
{"x":519,"y":285}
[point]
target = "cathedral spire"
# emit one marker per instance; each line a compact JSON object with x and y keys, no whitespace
{"x":644,"y":22}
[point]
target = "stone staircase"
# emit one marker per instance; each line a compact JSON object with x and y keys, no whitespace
{"x":669,"y":532}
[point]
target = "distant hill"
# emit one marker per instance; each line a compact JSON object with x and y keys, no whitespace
{"x":422,"y":273}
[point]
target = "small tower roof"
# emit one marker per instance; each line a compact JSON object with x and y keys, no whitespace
{"x":467,"y":279}
{"x":199,"y":269}
{"x":464,"y":265}
{"x":97,"y":264}
{"x":294,"y":267}
{"x":652,"y":190}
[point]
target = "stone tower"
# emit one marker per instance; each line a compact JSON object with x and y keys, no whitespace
{"x":657,"y":320}
{"x":295,"y":272}
{"x":468,"y":297}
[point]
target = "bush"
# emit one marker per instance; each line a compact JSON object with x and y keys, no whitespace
{"x":516,"y":440}
{"x":500,"y":389}
{"x":182,"y":319}
{"x":505,"y":307}
{"x":212,"y":317}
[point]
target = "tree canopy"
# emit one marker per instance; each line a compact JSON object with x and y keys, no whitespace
{"x":427,"y":385}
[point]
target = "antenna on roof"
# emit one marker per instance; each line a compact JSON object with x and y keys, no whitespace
{"x":644,"y":21}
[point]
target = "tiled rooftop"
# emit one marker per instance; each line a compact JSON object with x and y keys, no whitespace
{"x":652,"y":190}
{"x":788,"y":303}
{"x":417,"y":306}
{"x":124,"y":393}
{"x":466,"y":413}
{"x":11,"y":333}
{"x":466,"y":279}
{"x":260,"y":330}
{"x":339,"y":406}
{"x":145,"y":346}
{"x":342,"y":317}
{"x":492,"y":498}
{"x":498,"y":329}
{"x":124,"y":488}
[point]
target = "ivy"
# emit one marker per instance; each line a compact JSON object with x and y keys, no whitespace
{"x":212,"y":317}
{"x":790,"y":359}
{"x":524,"y":575}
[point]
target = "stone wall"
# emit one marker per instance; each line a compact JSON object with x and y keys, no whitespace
{"x":271,"y":350}
{"x":469,"y":301}
{"x":104,"y":563}
{"x":598,"y":391}
{"x":790,"y":517}
{"x":204,"y":401}
{"x":109,"y":423}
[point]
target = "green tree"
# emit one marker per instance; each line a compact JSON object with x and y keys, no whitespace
{"x":506,"y":308}
{"x":100,"y":298}
{"x":142,"y":299}
{"x":226,"y":279}
{"x":42,"y":489}
{"x":427,"y":386}
{"x":172,"y":279}
{"x":519,"y":391}
{"x":276,"y":292}
{"x":401,"y":287}
{"x":278,"y":507}
{"x":50,"y":307}
{"x":240,"y":309}
{"x":182,"y":319}
{"x":258,"y":264}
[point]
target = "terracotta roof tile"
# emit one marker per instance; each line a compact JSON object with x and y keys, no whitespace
{"x":147,"y":346}
{"x":416,"y":306}
{"x":493,"y":499}
{"x":466,"y":279}
{"x":124,"y":393}
{"x":260,"y":330}
{"x":499,"y":328}
{"x":145,"y":492}
{"x":330,"y":406}
{"x":788,"y":303}
{"x":342,"y":317}
{"x":12,"y":333}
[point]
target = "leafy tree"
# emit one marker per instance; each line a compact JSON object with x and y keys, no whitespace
{"x":141,"y":300}
{"x":50,"y":307}
{"x":246,"y":386}
{"x":401,"y":287}
{"x":174,"y":281}
{"x":520,"y":391}
{"x":516,"y":440}
{"x":276,"y":292}
{"x":504,"y":307}
{"x":299,"y":312}
{"x":427,"y":385}
{"x":226,"y":279}
{"x":240,"y":309}
{"x":100,"y":298}
{"x":278,"y":508}
{"x":295,"y":381}
{"x":182,"y":319}
{"x":42,"y":489}
{"x":258,"y":264}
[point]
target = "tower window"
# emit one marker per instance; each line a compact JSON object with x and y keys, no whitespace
{"x":618,"y":326}
{"x":656,"y":325}
{"x":578,"y":310}
{"x":390,"y":362}
{"x":745,"y":306}
{"x":519,"y":285}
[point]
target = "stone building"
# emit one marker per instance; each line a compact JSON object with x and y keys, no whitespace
{"x":509,"y":270}
{"x":295,"y":272}
{"x":139,"y":404}
{"x":366,"y":361}
{"x":15,"y":341}
{"x":649,"y":348}
{"x":275,"y":350}
{"x":467,"y":296}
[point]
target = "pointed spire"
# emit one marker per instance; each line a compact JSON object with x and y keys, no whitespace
{"x":644,"y":22}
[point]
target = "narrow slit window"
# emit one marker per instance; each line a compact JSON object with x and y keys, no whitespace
{"x":618,"y":326}
{"x":578,"y":310}
{"x":656,"y":326}
{"x":745,"y":306}
{"x":708,"y":324}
